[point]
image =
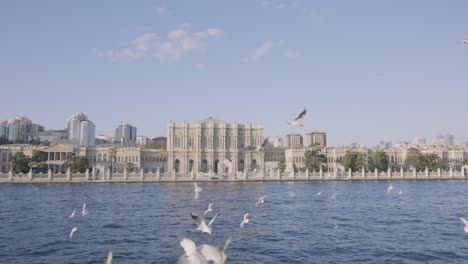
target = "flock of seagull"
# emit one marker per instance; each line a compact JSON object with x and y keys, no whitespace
{"x":84,"y":212}
{"x":208,"y":253}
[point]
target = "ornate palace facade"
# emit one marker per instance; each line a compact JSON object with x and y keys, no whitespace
{"x":204,"y":145}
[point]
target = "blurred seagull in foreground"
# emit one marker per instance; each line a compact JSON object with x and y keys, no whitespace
{"x":191,"y":255}
{"x":197,"y":190}
{"x":202,"y":226}
{"x":73,"y":214}
{"x":298,"y":119}
{"x":84,"y":211}
{"x":73,"y":231}
{"x":263,"y":145}
{"x":260,"y":200}
{"x":465,"y":222}
{"x":465,"y":42}
{"x":109,"y":257}
{"x":389,"y":188}
{"x":209,"y":209}
{"x":214,"y":254}
{"x":245,"y":221}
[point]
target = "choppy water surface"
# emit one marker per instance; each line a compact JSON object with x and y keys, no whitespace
{"x":142,"y":223}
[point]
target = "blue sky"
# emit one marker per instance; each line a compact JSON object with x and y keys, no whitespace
{"x":366,"y":70}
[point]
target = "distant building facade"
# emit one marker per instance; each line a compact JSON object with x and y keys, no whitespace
{"x":80,"y":130}
{"x":19,"y":130}
{"x":125,"y":135}
{"x":293,"y":141}
{"x":202,"y":146}
{"x":316,"y":138}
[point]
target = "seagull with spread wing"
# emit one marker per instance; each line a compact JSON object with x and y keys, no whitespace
{"x":263,"y":145}
{"x":465,"y":42}
{"x":297,"y":121}
{"x":202,"y":226}
{"x":214,"y":254}
{"x":245,"y":221}
{"x":191,"y":255}
{"x":465,"y":222}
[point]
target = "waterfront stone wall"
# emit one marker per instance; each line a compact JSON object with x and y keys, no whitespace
{"x":272,"y":175}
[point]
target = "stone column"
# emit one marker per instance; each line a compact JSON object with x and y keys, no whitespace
{"x":414,"y":173}
{"x":108,"y":174}
{"x":174,"y":175}
{"x":307,"y":173}
{"x":30,"y":174}
{"x":321,"y":173}
{"x":278,"y":174}
{"x":158,"y":174}
{"x":87,"y":174}
{"x":68,"y":174}
{"x":402,"y":172}
{"x":142,"y":174}
{"x":125,"y":173}
{"x":49,"y":175}
{"x":451,"y":172}
{"x":363,"y":173}
{"x":439,"y":173}
{"x":349,"y":173}
{"x":376,"y":173}
{"x":427,"y":172}
{"x":10,"y":175}
{"x":389,"y":172}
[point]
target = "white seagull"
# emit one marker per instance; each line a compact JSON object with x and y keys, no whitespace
{"x":389,"y":188}
{"x":202,"y":226}
{"x":465,"y":222}
{"x":209,"y":209}
{"x":263,"y":145}
{"x":109,"y":257}
{"x":318,"y":194}
{"x":197,"y":190}
{"x":214,"y":254}
{"x":73,"y":214}
{"x":245,"y":221}
{"x":298,"y":119}
{"x":260,"y":200}
{"x":400,"y":192}
{"x":191,"y":255}
{"x":84,"y":211}
{"x":73,"y":231}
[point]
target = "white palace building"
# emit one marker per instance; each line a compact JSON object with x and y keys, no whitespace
{"x":202,"y":146}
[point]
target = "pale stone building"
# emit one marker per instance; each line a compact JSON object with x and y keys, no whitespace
{"x":201,"y":146}
{"x":316,"y":138}
{"x":293,"y":141}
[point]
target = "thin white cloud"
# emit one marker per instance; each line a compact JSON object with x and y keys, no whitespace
{"x":136,"y":51}
{"x":181,"y":42}
{"x":263,"y":49}
{"x":278,"y":4}
{"x":178,"y":43}
{"x":292,"y":54}
{"x":162,"y":12}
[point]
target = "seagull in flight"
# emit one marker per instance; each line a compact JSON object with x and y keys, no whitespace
{"x":400,"y":192}
{"x":84,"y":211}
{"x":191,"y":255}
{"x":318,"y":194}
{"x":214,"y":254}
{"x":260,"y":200}
{"x":245,"y":221}
{"x":263,"y":145}
{"x":389,"y":188}
{"x":197,"y":190}
{"x":73,"y":231}
{"x":202,"y":226}
{"x":298,"y":119}
{"x":465,"y":222}
{"x":209,"y":209}
{"x":109,"y":257}
{"x":465,"y":42}
{"x":73,"y":214}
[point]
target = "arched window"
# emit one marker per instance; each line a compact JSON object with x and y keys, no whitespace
{"x":99,"y":157}
{"x":177,"y":165}
{"x":204,"y":165}
{"x":254,"y":164}
{"x":190,"y":164}
{"x":241,"y":165}
{"x":216,"y":163}
{"x":104,"y":158}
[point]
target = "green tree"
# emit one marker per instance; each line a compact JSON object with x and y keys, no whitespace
{"x":350,"y":161}
{"x":4,"y":141}
{"x":38,"y":160}
{"x":163,"y":154}
{"x":314,"y":160}
{"x":465,"y":162}
{"x":282,"y":165}
{"x":129,"y":167}
{"x":431,"y":161}
{"x":112,"y":153}
{"x":413,"y":158}
{"x":379,"y":161}
{"x":20,"y":163}
{"x":79,"y":164}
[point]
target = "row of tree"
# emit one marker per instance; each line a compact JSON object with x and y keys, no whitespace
{"x":37,"y":163}
{"x":314,"y":160}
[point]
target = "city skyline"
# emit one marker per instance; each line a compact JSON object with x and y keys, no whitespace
{"x":366,"y":71}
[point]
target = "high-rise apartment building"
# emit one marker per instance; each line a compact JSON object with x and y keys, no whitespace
{"x":316,"y":138}
{"x":80,"y":130}
{"x":293,"y":141}
{"x":125,"y":134}
{"x":19,"y":129}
